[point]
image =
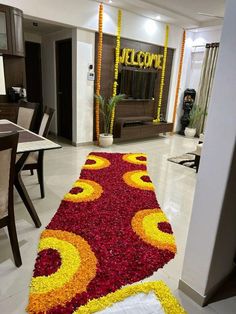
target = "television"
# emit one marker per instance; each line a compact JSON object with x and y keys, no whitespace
{"x":138,"y":84}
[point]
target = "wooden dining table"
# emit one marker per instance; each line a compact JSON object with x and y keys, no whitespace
{"x":28,"y":142}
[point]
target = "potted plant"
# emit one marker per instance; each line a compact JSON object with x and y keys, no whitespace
{"x":194,"y":119}
{"x":106,"y":109}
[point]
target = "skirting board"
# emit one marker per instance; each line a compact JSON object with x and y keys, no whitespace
{"x":83,"y":144}
{"x":202,"y":300}
{"x":190,"y":292}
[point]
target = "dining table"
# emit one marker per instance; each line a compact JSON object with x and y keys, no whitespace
{"x":28,"y":142}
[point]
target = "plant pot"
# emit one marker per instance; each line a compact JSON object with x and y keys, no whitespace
{"x":105,"y":140}
{"x":189,"y":132}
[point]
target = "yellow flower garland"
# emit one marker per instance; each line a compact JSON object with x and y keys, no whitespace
{"x":162,"y":292}
{"x":99,"y":67}
{"x":163,"y":73}
{"x":179,"y":76}
{"x":116,"y":70}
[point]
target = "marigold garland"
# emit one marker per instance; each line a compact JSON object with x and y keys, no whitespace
{"x":163,"y":73}
{"x":116,"y":69}
{"x":162,"y":292}
{"x":99,"y":67}
{"x":179,"y":77}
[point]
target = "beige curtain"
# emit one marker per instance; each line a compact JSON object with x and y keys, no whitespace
{"x":206,"y":81}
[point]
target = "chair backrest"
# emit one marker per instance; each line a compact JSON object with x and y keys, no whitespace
{"x":27,"y":115}
{"x":46,"y":121}
{"x":8,"y":146}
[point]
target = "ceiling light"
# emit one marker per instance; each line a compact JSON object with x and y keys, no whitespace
{"x":109,"y":1}
{"x":158,"y":17}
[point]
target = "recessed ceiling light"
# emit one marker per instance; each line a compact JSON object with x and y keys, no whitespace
{"x":158,"y":17}
{"x":109,"y":1}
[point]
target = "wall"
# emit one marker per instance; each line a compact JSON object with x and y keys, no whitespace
{"x":85,"y":50}
{"x":193,"y":60}
{"x":83,"y":14}
{"x":211,"y":243}
{"x":198,"y":40}
{"x":35,"y":38}
{"x":201,"y":38}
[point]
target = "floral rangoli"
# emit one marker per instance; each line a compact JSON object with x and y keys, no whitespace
{"x":108,"y":232}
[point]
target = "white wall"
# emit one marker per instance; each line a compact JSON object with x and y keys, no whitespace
{"x":35,"y":38}
{"x":200,"y":38}
{"x":209,"y":254}
{"x":85,"y":89}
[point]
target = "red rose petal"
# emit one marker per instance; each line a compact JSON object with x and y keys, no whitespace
{"x":165,"y":227}
{"x":47,"y":263}
{"x":146,"y":179}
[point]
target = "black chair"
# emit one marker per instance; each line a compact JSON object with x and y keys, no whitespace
{"x":35,"y":160}
{"x":27,"y":114}
{"x":8,"y":146}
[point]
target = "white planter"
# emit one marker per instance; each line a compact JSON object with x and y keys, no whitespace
{"x":105,"y":140}
{"x":189,"y":132}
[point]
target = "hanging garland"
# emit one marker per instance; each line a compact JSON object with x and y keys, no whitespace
{"x":117,"y":61}
{"x":99,"y":66}
{"x":162,"y":75}
{"x":179,"y":77}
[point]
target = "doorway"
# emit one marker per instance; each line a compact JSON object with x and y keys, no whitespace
{"x":33,"y":69}
{"x":64,"y":87}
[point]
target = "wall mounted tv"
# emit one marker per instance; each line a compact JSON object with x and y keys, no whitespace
{"x":138,"y":84}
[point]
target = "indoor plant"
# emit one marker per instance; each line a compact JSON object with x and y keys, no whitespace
{"x":106,"y":109}
{"x":194,"y":119}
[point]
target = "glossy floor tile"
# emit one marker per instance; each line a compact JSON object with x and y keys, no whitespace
{"x":174,"y":184}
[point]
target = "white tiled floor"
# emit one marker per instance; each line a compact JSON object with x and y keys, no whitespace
{"x":174,"y":188}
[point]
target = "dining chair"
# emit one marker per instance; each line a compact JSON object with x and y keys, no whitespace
{"x":8,"y":146}
{"x":27,"y":115}
{"x":35,"y":160}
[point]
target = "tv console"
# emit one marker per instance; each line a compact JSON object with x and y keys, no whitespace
{"x":137,"y":127}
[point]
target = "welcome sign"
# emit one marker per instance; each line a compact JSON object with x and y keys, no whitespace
{"x":130,"y":57}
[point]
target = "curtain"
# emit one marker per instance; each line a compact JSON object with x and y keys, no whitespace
{"x":206,"y":81}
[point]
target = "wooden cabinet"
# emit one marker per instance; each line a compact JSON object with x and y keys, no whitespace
{"x":11,"y":31}
{"x":5,"y":30}
{"x":17,"y":32}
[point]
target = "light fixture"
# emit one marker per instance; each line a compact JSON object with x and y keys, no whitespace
{"x":158,"y":17}
{"x":109,"y":1}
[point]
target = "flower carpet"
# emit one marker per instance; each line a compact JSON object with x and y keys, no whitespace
{"x":108,"y":232}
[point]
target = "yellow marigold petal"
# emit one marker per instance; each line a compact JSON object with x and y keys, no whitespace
{"x":100,"y":163}
{"x":41,"y":300}
{"x":91,"y":191}
{"x":134,"y":179}
{"x":133,"y":159}
{"x":162,"y":292}
{"x":145,"y":224}
{"x":70,"y":263}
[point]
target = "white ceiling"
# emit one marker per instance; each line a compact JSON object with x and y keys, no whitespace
{"x":180,"y":12}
